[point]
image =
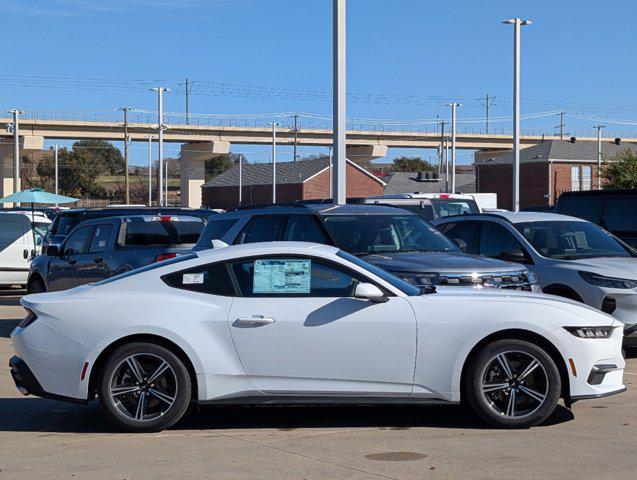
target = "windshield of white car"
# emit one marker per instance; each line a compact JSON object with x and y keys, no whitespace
{"x":395,"y":282}
{"x":368,"y":234}
{"x":572,"y":240}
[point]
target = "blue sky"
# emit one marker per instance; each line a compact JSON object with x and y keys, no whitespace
{"x":406,"y":59}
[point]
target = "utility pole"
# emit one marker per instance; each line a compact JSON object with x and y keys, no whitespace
{"x":16,"y":148}
{"x":150,"y":170}
{"x":126,"y":179}
{"x":517,"y":25}
{"x":599,"y":155}
{"x":561,"y":126}
{"x":296,"y":135}
{"x":488,"y":102}
{"x":166,"y":182}
{"x":442,"y":144}
{"x":447,"y":164}
{"x":339,"y":112}
{"x":56,"y":170}
{"x":453,"y":106}
{"x":274,"y":125}
{"x":160,"y":131}
{"x":187,"y":89}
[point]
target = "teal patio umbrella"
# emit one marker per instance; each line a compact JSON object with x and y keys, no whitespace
{"x":33,"y":196}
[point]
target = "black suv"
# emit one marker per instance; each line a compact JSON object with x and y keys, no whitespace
{"x":104,"y":247}
{"x":391,"y":238}
{"x":613,"y":210}
{"x":67,"y":220}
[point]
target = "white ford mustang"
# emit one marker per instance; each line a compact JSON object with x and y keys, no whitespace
{"x":287,"y":322}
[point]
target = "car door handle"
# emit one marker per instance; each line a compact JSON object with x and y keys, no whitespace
{"x":255,"y":320}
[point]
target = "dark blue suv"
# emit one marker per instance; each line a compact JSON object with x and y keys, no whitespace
{"x":391,"y":238}
{"x":100,"y":248}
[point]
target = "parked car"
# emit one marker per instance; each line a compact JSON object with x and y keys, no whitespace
{"x":429,"y":206}
{"x":101,"y":248}
{"x":613,"y":210}
{"x":570,"y":257}
{"x":288,"y":322}
{"x":67,"y":220}
{"x":391,"y":238}
{"x":21,"y":235}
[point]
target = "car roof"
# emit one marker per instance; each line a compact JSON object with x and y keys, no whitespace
{"x":601,"y":193}
{"x":316,"y":208}
{"x":267,"y":248}
{"x":132,"y":218}
{"x":134,"y":210}
{"x":516,"y":217}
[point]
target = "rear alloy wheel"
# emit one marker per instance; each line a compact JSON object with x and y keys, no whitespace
{"x":36,"y":286}
{"x":144,"y":388}
{"x":513,"y":384}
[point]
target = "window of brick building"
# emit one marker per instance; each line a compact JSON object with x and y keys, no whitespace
{"x":575,"y":178}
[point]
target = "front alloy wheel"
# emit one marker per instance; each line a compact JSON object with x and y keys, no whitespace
{"x":513,"y":383}
{"x":144,"y":387}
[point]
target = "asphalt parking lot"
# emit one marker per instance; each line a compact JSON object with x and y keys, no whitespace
{"x":48,"y":439}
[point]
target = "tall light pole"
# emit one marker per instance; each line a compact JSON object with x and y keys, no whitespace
{"x":339,"y":97}
{"x":447,"y":164}
{"x":517,"y":24}
{"x":453,"y":106}
{"x":56,"y":148}
{"x":150,"y":170}
{"x":16,"y":148}
{"x":160,"y":132}
{"x":126,"y":179}
{"x":240,"y":179}
{"x":274,"y":124}
{"x":599,"y":155}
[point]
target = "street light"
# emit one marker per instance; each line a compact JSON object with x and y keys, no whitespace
{"x":453,"y":106}
{"x":517,"y":23}
{"x":16,"y":148}
{"x":339,"y":114}
{"x":599,"y":155}
{"x":160,"y":127}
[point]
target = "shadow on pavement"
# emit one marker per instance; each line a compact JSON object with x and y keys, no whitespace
{"x":11,"y":297}
{"x":630,"y":346}
{"x":6,"y":326}
{"x":33,"y":414}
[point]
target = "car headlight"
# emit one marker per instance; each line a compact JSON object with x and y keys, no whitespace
{"x":531,"y":277}
{"x":590,"y":332}
{"x":607,"y":282}
{"x":419,"y":279}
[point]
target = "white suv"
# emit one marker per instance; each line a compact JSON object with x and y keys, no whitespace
{"x":571,"y":257}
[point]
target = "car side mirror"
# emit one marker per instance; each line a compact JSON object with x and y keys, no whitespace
{"x":368,"y":291}
{"x":53,"y":250}
{"x":461,"y":244}
{"x":516,"y":256}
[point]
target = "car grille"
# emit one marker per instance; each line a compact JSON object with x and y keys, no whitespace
{"x":505,"y":280}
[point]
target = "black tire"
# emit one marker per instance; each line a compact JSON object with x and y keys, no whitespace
{"x":160,"y":413}
{"x":543,"y":379}
{"x":36,"y":286}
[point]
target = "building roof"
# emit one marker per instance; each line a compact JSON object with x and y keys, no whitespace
{"x":286,"y":172}
{"x":407,"y":182}
{"x":557,"y":150}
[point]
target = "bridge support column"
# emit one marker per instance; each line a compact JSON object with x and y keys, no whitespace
{"x":193,"y":175}
{"x":28,"y":144}
{"x":365,"y":153}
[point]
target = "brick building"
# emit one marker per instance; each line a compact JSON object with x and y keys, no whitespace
{"x":546,"y":170}
{"x":301,"y":180}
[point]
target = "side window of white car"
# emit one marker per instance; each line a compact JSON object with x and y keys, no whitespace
{"x":213,"y":279}
{"x":292,"y":277}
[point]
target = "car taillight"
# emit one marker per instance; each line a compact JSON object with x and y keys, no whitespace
{"x":28,"y":320}
{"x":164,"y":256}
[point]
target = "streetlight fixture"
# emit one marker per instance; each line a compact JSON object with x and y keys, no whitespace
{"x":517,"y":24}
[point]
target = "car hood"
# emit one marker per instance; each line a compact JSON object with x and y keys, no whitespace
{"x":620,"y":267}
{"x":493,"y":297}
{"x":436,"y":262}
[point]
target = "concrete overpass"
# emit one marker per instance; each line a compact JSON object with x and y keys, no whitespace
{"x":201,"y":142}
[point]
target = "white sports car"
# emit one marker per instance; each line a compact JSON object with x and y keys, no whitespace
{"x":283,"y":322}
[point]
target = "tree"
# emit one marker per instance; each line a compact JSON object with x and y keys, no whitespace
{"x":412,"y":164}
{"x":107,"y":157}
{"x":621,"y":172}
{"x":219,"y":164}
